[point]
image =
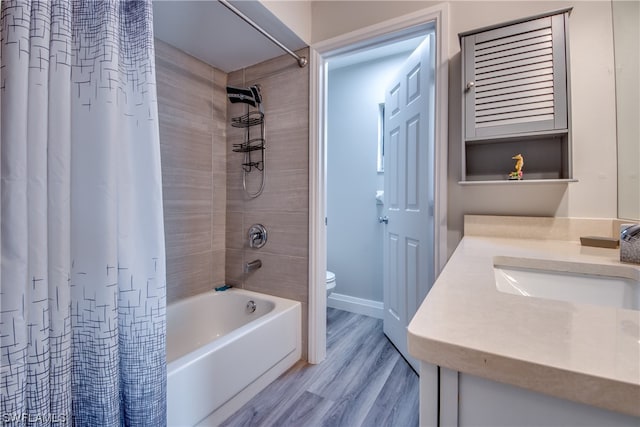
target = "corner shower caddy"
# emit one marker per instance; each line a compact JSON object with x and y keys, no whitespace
{"x":254,"y":142}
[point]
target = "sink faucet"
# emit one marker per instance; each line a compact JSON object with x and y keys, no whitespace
{"x":630,"y":243}
{"x":630,"y":233}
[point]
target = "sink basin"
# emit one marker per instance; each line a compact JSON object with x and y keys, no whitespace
{"x":605,"y":285}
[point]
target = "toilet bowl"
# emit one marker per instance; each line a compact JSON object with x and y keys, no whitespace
{"x":331,"y":282}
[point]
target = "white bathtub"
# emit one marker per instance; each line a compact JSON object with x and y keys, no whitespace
{"x":219,"y":355}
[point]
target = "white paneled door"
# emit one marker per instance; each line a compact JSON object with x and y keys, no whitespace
{"x":409,"y":193}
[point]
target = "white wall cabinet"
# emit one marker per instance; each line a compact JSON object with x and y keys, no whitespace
{"x":515,"y":88}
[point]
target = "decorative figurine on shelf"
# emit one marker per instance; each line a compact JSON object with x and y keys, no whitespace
{"x":517,"y":174}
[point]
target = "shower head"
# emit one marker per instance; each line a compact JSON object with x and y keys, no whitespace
{"x":255,"y":89}
{"x":244,"y":95}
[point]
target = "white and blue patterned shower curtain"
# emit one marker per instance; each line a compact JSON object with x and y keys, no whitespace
{"x":82,"y":300}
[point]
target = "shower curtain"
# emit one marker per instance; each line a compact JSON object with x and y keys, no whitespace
{"x":82,"y":273}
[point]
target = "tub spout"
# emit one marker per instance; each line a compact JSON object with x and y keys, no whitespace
{"x":252,"y":266}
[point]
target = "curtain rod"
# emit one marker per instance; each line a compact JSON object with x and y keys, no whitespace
{"x":302,"y":61}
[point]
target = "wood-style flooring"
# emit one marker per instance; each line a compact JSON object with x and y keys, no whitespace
{"x":363,"y":382}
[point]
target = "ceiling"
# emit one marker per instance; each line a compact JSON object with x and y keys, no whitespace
{"x":374,"y":53}
{"x":212,"y":33}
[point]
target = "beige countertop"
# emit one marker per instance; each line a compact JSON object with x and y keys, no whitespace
{"x":585,"y":353}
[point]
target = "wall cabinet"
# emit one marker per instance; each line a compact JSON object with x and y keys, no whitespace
{"x":515,"y":88}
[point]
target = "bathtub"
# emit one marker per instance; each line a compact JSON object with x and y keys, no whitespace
{"x":220,"y":355}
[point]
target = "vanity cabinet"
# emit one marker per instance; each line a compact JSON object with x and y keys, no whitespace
{"x":454,"y":399}
{"x":515,"y":89}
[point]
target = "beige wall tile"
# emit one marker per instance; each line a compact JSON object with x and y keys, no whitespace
{"x":288,"y":232}
{"x":283,"y":207}
{"x":207,"y":213}
{"x":218,"y":227}
{"x":288,"y":148}
{"x":235,"y":230}
{"x":219,"y":187}
{"x":185,"y":147}
{"x":169,"y":54}
{"x":218,"y":268}
{"x":188,"y":275}
{"x":192,"y":114}
{"x":234,"y":264}
{"x":285,"y":191}
{"x":183,"y":187}
{"x":190,"y":233}
{"x":279,"y":275}
{"x":220,"y":99}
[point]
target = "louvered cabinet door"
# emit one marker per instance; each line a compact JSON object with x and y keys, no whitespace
{"x":515,"y":79}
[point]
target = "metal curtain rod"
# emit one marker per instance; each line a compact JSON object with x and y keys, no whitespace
{"x":302,"y":61}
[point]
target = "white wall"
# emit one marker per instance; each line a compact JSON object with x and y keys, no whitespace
{"x":294,"y":14}
{"x":354,"y":239}
{"x":593,"y":120}
{"x":592,"y":103}
{"x":333,"y":18}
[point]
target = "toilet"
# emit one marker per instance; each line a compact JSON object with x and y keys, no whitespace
{"x":331,"y":282}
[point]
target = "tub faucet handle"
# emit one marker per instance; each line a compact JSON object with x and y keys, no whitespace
{"x":257,"y":236}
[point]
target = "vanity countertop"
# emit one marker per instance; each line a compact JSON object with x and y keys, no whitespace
{"x":585,"y":353}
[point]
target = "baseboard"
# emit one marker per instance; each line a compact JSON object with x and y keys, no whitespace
{"x":356,"y":305}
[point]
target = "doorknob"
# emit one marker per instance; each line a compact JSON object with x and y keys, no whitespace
{"x":384,"y":219}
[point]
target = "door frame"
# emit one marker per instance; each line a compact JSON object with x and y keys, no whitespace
{"x":371,"y":36}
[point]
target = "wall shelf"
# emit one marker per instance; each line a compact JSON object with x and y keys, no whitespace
{"x":521,"y":182}
{"x":559,"y":134}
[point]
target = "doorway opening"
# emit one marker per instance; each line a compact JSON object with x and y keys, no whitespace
{"x":356,"y":84}
{"x":368,"y":52}
{"x":360,"y":197}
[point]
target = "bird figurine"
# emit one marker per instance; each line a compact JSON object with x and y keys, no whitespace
{"x":517,"y":174}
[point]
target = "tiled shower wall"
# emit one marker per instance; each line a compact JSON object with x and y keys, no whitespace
{"x":206,"y":212}
{"x":283,"y":207}
{"x":192,"y":109}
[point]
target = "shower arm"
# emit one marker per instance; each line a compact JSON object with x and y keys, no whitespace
{"x":302,"y":61}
